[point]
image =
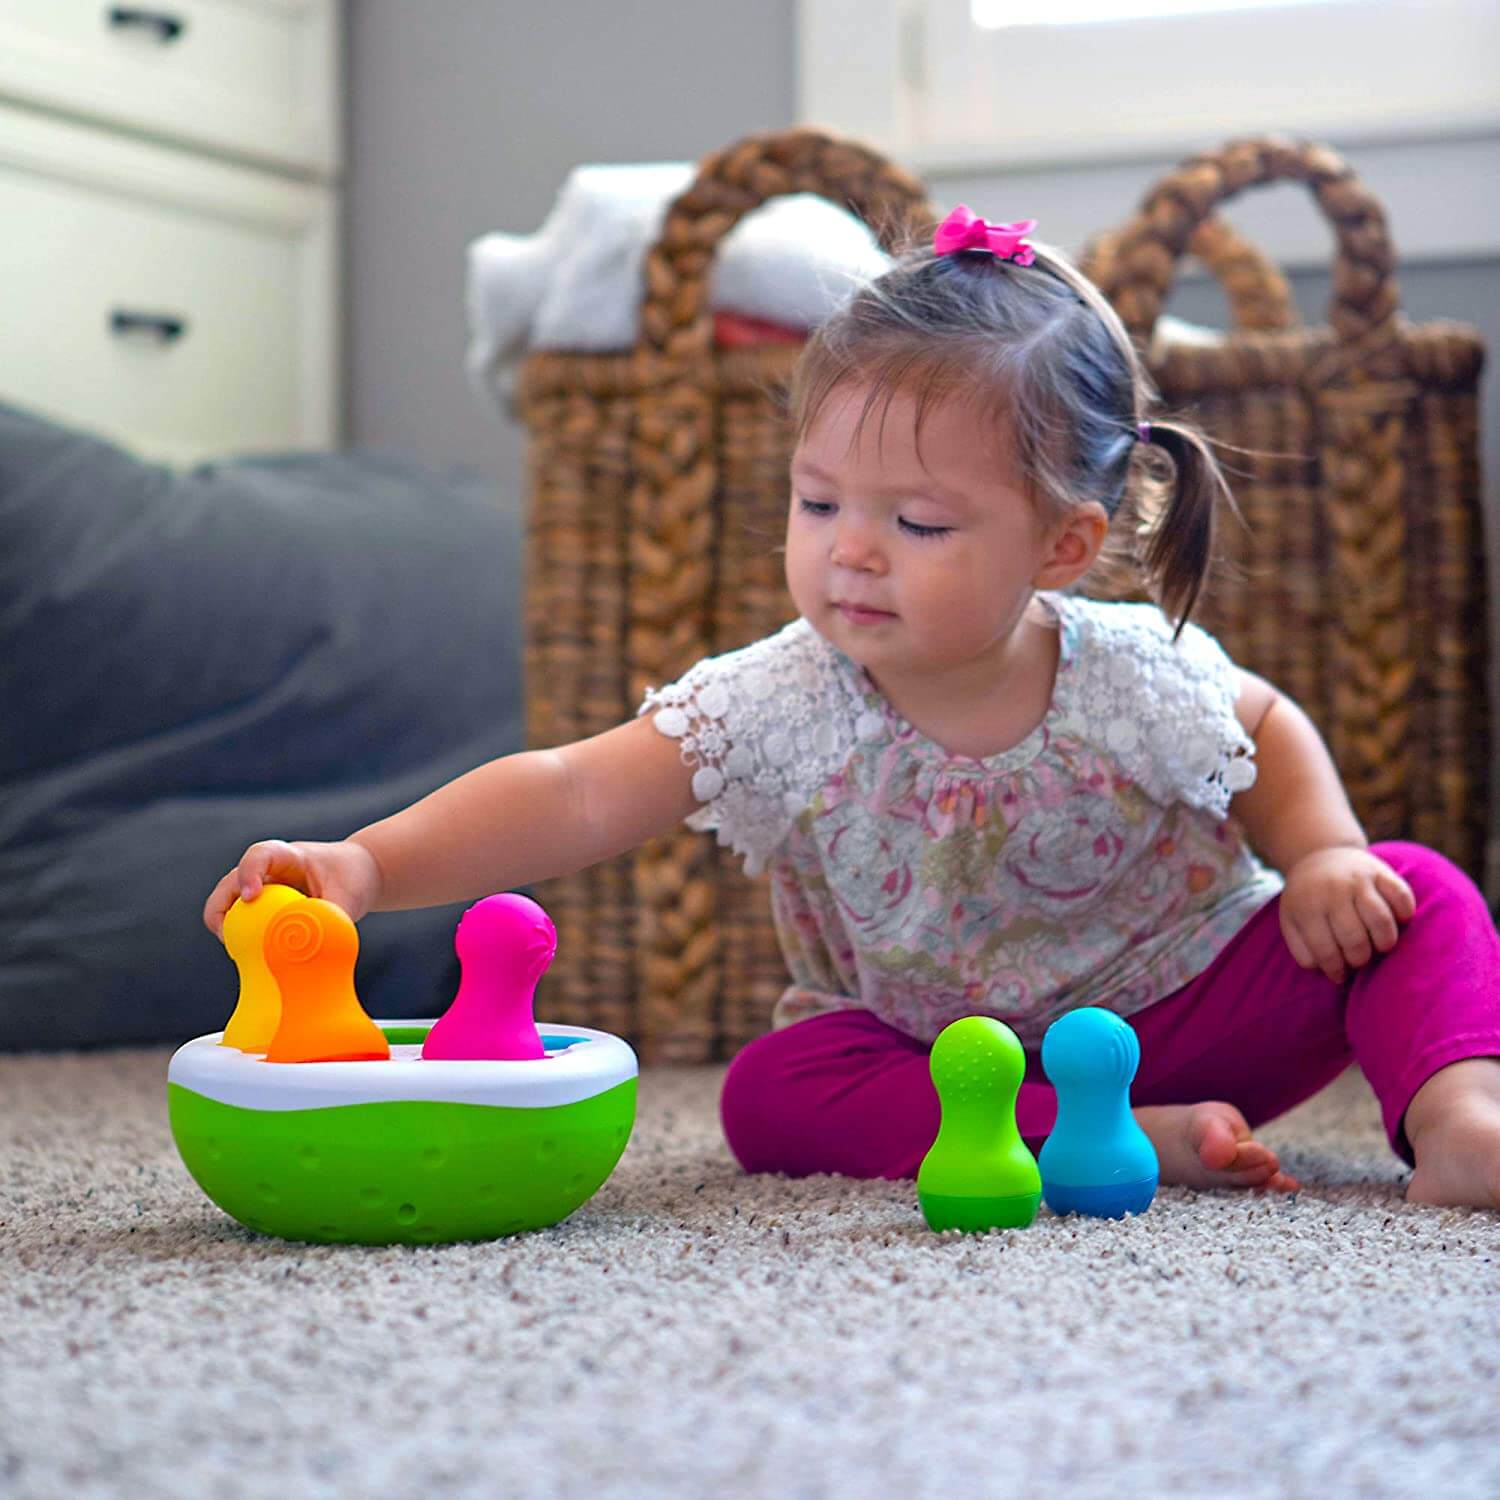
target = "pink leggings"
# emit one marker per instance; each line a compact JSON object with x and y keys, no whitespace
{"x":847,"y":1093}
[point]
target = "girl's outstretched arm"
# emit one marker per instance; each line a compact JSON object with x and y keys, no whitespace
{"x":512,"y":821}
{"x":530,"y":816}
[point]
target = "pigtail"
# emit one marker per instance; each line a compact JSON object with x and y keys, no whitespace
{"x":1179,"y":546}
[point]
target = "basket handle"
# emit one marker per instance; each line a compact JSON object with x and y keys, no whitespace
{"x":1260,"y":301}
{"x":675,"y":317}
{"x":671,"y":501}
{"x":1365,"y":299}
{"x":672,"y":446}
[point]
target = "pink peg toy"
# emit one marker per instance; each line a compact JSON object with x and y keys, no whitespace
{"x":504,"y":944}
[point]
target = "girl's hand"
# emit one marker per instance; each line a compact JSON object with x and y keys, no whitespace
{"x":344,"y":873}
{"x":1339,"y":906}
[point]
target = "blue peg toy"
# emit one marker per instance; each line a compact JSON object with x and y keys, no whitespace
{"x":1097,"y":1160}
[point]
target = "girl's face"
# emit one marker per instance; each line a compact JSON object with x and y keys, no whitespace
{"x":912,"y":565}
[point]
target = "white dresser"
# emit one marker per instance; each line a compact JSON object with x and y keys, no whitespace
{"x":169,"y":203}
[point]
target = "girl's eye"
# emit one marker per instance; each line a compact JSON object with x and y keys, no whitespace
{"x":913,"y":528}
{"x":823,"y":508}
{"x":814,"y":507}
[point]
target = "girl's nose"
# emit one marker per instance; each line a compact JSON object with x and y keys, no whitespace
{"x":855,"y":547}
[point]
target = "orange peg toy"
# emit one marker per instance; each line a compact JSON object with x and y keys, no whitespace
{"x":310,"y":948}
{"x":257,"y":1013}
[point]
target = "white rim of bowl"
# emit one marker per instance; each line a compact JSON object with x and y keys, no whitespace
{"x":596,"y":1062}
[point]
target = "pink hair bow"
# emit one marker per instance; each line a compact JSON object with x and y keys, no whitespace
{"x":965,"y":230}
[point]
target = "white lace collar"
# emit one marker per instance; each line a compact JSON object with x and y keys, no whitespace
{"x":1002,"y":762}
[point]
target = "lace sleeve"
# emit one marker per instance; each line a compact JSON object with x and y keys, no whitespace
{"x":764,"y":726}
{"x":1216,"y":760}
{"x":1165,"y":710}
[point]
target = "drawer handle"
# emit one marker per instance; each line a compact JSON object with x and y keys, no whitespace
{"x":165,"y":328}
{"x":131,"y":17}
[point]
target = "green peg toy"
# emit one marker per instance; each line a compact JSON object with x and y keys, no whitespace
{"x":978,"y":1174}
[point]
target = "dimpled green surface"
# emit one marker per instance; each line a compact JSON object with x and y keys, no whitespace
{"x":404,"y":1172}
{"x":978,"y":1174}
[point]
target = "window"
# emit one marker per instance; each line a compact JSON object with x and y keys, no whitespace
{"x":955,"y":84}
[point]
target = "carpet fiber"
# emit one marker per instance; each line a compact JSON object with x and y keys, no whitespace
{"x":694,"y":1332}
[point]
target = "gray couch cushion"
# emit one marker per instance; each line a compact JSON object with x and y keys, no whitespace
{"x":273,"y":647}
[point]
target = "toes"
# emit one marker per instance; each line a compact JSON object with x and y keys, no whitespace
{"x":1225,"y":1147}
{"x":1252,"y":1154}
{"x":1260,"y":1175}
{"x":1282,"y":1182}
{"x":1260,"y":1163}
{"x":1216,"y":1143}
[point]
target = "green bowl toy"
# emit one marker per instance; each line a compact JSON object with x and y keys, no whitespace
{"x":306,"y":1119}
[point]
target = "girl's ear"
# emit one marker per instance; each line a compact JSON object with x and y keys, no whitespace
{"x":1072,"y":547}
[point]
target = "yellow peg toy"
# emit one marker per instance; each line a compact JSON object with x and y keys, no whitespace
{"x":257,"y":1013}
{"x":310,"y":948}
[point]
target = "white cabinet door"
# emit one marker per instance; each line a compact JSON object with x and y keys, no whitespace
{"x":182,"y":307}
{"x":258,"y":78}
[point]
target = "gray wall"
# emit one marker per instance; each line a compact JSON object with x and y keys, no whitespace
{"x":465,"y":116}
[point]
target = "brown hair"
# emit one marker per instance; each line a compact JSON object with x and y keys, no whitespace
{"x":1038,"y":347}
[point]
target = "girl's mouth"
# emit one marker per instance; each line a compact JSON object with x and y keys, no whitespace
{"x":857,"y":614}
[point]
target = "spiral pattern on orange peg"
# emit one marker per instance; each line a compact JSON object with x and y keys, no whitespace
{"x":294,"y":937}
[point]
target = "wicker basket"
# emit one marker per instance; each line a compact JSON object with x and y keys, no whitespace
{"x":1357,"y":584}
{"x":657,"y":486}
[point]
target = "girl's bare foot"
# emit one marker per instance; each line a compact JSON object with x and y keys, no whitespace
{"x":1453,"y":1124}
{"x":1209,"y":1145}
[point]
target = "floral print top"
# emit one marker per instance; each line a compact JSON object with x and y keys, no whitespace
{"x":1094,"y":863}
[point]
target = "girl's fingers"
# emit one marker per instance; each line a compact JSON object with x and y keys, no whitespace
{"x":220,"y":899}
{"x":1349,"y":932}
{"x":1325,"y":947}
{"x":260,"y":865}
{"x":1300,"y":951}
{"x":1313,"y":946}
{"x":255,"y":865}
{"x":269,"y":862}
{"x":265,"y":863}
{"x":1379,"y":919}
{"x":1397,"y":892}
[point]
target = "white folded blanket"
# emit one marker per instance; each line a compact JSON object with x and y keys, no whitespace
{"x":576,"y":283}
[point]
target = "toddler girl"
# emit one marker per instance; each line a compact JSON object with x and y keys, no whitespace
{"x":976,"y":792}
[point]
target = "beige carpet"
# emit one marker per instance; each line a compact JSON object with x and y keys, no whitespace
{"x":694,"y":1332}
